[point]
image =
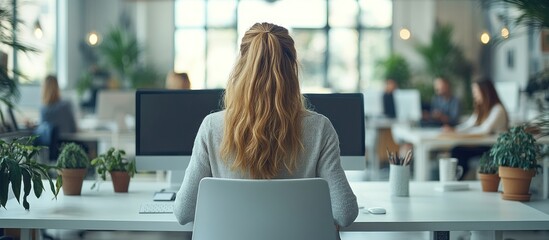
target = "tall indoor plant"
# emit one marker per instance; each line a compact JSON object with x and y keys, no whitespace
{"x":516,"y":153}
{"x":18,"y":165}
{"x":73,"y":163}
{"x":120,"y":168}
{"x":8,"y":30}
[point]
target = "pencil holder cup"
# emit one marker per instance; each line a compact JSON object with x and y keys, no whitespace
{"x":399,"y":180}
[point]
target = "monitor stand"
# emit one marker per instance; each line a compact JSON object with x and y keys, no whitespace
{"x":174,"y":180}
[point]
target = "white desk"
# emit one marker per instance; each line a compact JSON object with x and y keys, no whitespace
{"x":424,"y":210}
{"x":427,"y":139}
{"x":430,"y":210}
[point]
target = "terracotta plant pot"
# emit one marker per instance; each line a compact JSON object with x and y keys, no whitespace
{"x":72,"y":180}
{"x":120,"y":181}
{"x":516,"y":183}
{"x":490,"y":182}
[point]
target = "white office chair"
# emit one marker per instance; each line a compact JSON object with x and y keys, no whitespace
{"x":236,"y":209}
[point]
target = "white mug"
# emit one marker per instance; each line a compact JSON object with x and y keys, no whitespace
{"x":449,"y":170}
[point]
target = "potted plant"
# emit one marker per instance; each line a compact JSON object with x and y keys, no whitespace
{"x":73,"y":163}
{"x":516,"y":154}
{"x":488,"y":173}
{"x":18,"y":165}
{"x":118,"y":166}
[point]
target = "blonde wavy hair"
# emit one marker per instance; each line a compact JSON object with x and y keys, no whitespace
{"x":50,"y":91}
{"x":263,"y":104}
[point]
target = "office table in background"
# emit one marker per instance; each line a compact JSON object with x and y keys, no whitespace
{"x":426,"y":140}
{"x":425,"y":210}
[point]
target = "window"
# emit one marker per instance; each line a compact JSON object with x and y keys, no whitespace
{"x":338,"y":41}
{"x":37,"y":29}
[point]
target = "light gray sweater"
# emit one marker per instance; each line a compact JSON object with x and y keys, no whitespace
{"x":320,"y":158}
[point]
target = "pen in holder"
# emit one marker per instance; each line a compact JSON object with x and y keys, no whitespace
{"x":399,"y":174}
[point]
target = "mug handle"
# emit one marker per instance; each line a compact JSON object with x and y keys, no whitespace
{"x":459,"y":172}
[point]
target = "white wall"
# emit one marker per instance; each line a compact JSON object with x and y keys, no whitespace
{"x":419,"y":18}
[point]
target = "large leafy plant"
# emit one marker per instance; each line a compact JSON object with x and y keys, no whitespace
{"x":444,"y":58}
{"x":516,"y":148}
{"x":112,"y":160}
{"x":396,"y":67}
{"x":121,"y":52}
{"x":19,"y":167}
{"x":9,"y":92}
{"x":532,"y":12}
{"x":73,"y":156}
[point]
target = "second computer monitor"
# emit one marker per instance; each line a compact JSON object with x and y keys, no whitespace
{"x":408,"y":105}
{"x":346,"y":112}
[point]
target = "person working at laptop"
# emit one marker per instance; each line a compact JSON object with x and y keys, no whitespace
{"x":265,"y":131}
{"x":489,"y":117}
{"x":444,"y":109}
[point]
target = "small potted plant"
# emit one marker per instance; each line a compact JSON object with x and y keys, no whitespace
{"x":488,"y":173}
{"x":18,"y":166}
{"x":73,"y":163}
{"x":516,"y":153}
{"x":118,"y":166}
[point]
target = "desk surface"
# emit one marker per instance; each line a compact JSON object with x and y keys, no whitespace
{"x":430,"y":210}
{"x":93,"y":210}
{"x":427,"y":139}
{"x":425,"y":210}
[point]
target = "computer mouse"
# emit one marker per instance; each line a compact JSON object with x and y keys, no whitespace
{"x":377,"y":210}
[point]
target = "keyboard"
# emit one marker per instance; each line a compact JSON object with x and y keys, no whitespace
{"x":156,"y":207}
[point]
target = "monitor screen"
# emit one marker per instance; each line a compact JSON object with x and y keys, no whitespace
{"x":113,"y":107}
{"x":168,"y":120}
{"x":407,"y":105}
{"x":166,"y":125}
{"x":346,"y":112}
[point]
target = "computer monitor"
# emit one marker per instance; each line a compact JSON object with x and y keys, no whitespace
{"x":407,"y":105}
{"x":115,"y":108}
{"x":508,"y":93}
{"x":346,"y":112}
{"x":373,"y":103}
{"x":166,"y":125}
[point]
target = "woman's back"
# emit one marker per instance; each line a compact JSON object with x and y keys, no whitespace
{"x":59,"y":115}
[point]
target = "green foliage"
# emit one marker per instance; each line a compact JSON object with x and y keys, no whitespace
{"x":442,"y":56}
{"x":73,"y":156}
{"x":18,"y":165}
{"x":487,"y":165}
{"x":532,"y":12}
{"x":396,"y":67}
{"x":516,"y":148}
{"x":113,"y":160}
{"x":445,"y":59}
{"x":9,"y":91}
{"x":121,"y":52}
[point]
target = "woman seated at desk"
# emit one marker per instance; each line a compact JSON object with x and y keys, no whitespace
{"x":56,"y":117}
{"x":489,"y":117}
{"x":265,"y":132}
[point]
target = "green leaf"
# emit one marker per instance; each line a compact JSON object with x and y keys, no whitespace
{"x":37,"y":185}
{"x":15,"y":179}
{"x":4,"y":176}
{"x":58,"y":184}
{"x":26,"y":188}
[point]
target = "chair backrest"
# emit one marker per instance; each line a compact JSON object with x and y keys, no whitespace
{"x":263,"y":209}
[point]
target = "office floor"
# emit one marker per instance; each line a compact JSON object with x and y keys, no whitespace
{"x":123,"y":235}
